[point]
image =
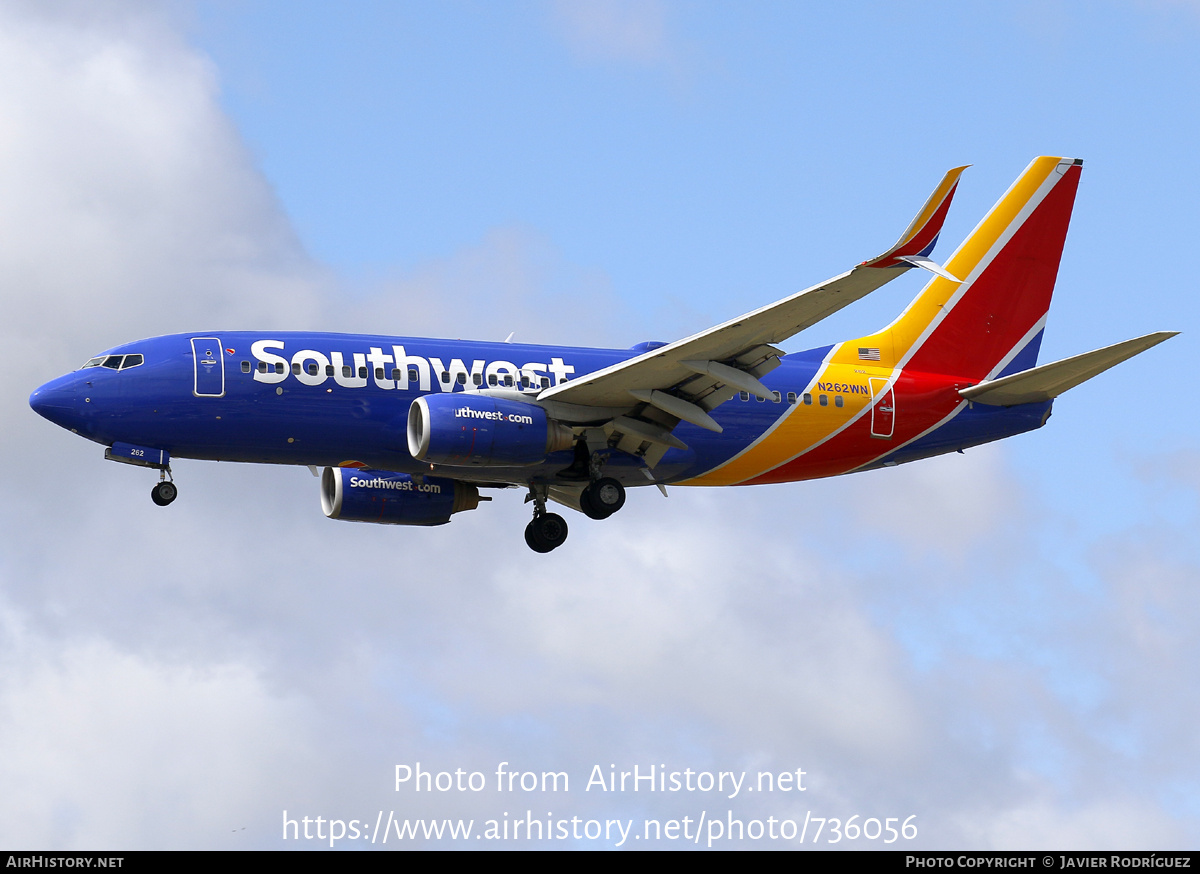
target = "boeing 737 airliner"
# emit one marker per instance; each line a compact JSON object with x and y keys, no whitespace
{"x":410,"y":431}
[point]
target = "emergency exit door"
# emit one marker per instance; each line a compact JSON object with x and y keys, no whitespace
{"x":883,"y":408}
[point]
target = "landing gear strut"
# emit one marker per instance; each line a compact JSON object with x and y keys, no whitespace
{"x":164,"y":492}
{"x":602,"y":498}
{"x":546,"y":531}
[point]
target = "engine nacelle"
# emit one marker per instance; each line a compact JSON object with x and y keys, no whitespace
{"x":471,"y":429}
{"x":393,"y":498}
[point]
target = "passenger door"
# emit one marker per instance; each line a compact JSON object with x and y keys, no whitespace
{"x":208,"y":362}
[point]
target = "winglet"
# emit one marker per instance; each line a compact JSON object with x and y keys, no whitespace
{"x":918,"y":239}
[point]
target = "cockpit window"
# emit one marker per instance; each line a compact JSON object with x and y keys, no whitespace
{"x":114,"y":362}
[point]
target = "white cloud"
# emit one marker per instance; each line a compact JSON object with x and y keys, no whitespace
{"x":1044,"y":824}
{"x":102,"y":747}
{"x":513,"y":280}
{"x":947,"y":505}
{"x":130,"y":209}
{"x":676,"y":620}
{"x":129,"y":199}
{"x":632,"y":31}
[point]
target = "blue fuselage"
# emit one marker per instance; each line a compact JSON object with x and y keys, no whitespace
{"x":329,"y":399}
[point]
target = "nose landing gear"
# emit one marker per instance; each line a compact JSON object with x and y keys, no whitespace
{"x":164,"y":492}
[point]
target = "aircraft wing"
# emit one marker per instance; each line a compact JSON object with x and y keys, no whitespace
{"x":1050,"y":380}
{"x":685,"y":379}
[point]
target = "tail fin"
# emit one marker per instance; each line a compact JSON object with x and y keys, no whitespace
{"x":991,"y":323}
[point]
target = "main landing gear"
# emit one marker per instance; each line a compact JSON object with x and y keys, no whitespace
{"x":602,"y":498}
{"x":164,"y":492}
{"x":547,"y":531}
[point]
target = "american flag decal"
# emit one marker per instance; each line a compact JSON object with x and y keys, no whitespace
{"x":865,"y":354}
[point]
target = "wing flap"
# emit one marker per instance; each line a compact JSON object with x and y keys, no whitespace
{"x":1050,"y":380}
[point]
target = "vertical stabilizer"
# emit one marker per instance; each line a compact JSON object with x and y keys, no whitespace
{"x":991,"y":323}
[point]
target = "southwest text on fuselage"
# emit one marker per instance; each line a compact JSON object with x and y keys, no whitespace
{"x":400,"y":370}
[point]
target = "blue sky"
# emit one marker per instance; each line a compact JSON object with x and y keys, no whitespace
{"x":1001,"y":643}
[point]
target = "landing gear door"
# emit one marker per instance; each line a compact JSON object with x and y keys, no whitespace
{"x":208,"y":361}
{"x":883,"y":409}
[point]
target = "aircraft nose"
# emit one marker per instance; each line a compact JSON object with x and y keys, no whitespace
{"x":57,"y":401}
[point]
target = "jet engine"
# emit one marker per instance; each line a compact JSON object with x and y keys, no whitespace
{"x":393,"y":498}
{"x":470,"y":429}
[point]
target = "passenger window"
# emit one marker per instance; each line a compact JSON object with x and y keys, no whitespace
{"x":445,"y":376}
{"x":477,"y":378}
{"x":296,"y":368}
{"x":462,"y":379}
{"x":525,"y":382}
{"x":508,"y":381}
{"x":347,"y":370}
{"x":545,"y":382}
{"x":379,"y":373}
{"x":492,"y":380}
{"x":744,"y":395}
{"x":329,"y":370}
{"x":824,"y":400}
{"x":362,"y":372}
{"x":313,"y":368}
{"x":245,"y":367}
{"x":262,"y":367}
{"x":279,"y":367}
{"x":760,"y":400}
{"x":113,"y":362}
{"x":412,"y":374}
{"x":791,"y":397}
{"x":807,"y":399}
{"x":777,"y":397}
{"x":395,"y":373}
{"x":131,"y":361}
{"x":837,"y":400}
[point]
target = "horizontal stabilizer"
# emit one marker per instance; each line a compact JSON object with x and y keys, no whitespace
{"x":1051,"y":380}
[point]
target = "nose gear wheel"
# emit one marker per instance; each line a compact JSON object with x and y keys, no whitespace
{"x":164,"y":493}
